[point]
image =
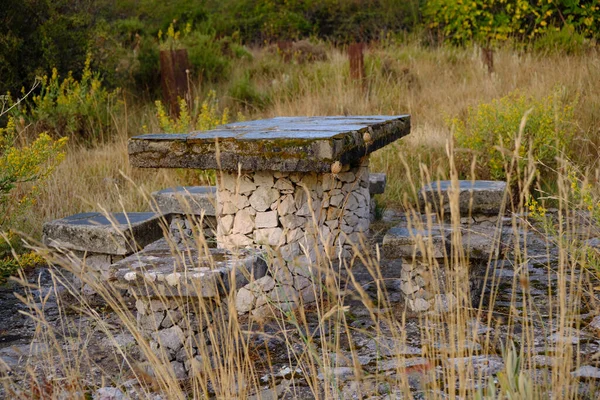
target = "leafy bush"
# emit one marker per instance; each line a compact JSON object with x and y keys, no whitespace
{"x":489,"y":131}
{"x":23,"y":168}
{"x":207,"y":57}
{"x":560,"y":41}
{"x":487,"y":22}
{"x":37,"y":35}
{"x":10,"y":243}
{"x":339,"y":21}
{"x":78,"y":109}
{"x":146,"y":72}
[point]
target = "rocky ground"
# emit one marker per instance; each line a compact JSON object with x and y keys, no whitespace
{"x":368,"y":358}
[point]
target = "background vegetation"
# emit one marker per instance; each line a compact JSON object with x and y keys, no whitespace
{"x":90,"y":71}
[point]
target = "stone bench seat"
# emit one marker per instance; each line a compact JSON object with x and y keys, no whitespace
{"x":478,"y":242}
{"x":401,"y":242}
{"x":475,"y":198}
{"x":99,"y":240}
{"x":427,"y":256}
{"x":177,"y":294}
{"x":118,"y":234}
{"x":189,"y":208}
{"x":160,"y":270}
{"x":187,"y":200}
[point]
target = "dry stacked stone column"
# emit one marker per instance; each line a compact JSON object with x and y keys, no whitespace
{"x":179,"y":296}
{"x":423,"y":254}
{"x":191,"y":209}
{"x":285,"y":210}
{"x":294,"y":214}
{"x":427,"y":254}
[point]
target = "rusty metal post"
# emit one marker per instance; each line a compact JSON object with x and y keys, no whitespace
{"x":285,"y":49}
{"x":174,"y":68}
{"x":357,"y":62}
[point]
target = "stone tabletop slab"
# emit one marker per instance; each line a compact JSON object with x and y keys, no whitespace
{"x":299,"y":144}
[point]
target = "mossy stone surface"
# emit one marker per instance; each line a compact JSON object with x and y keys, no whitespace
{"x":290,"y":144}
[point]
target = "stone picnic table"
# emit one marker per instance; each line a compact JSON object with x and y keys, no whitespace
{"x":282,"y":177}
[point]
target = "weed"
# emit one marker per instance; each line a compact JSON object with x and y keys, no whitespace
{"x":490,"y":131}
{"x":202,"y":116}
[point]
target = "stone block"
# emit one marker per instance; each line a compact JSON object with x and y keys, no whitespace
{"x":263,"y":197}
{"x":481,"y":242}
{"x":189,"y":200}
{"x":159,"y":270}
{"x":474,"y":197}
{"x":266,"y":219}
{"x":377,"y":183}
{"x":119,"y":234}
{"x":269,"y":236}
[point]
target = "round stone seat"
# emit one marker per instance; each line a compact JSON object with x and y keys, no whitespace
{"x":474,"y":197}
{"x":177,"y":294}
{"x":159,"y":271}
{"x":191,"y":208}
{"x":187,"y":200}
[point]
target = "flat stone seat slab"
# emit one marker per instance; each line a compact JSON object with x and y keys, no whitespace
{"x":289,"y":144}
{"x":120,"y":234}
{"x":189,"y":200}
{"x":377,"y":183}
{"x":401,"y":242}
{"x":483,"y":243}
{"x":160,"y":270}
{"x":475,"y":197}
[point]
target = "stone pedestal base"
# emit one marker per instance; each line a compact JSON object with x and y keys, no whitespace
{"x":295,"y":216}
{"x":280,"y":209}
{"x":423,"y":285}
{"x":175,"y":332}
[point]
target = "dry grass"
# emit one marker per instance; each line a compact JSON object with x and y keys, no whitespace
{"x":449,"y":344}
{"x":430,"y":84}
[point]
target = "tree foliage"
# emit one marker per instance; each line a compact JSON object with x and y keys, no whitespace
{"x":488,"y":22}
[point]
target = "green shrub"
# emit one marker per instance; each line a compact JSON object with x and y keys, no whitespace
{"x":489,"y":131}
{"x":207,"y":57}
{"x":561,"y":41}
{"x":146,"y":72}
{"x":198,"y":115}
{"x":10,"y":244}
{"x":37,"y":35}
{"x":247,"y":95}
{"x":80,"y":109}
